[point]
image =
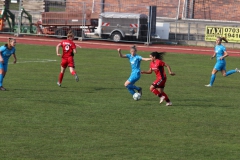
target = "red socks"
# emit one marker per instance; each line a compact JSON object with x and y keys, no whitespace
{"x":166,"y":97}
{"x":60,"y":78}
{"x":157,"y":93}
{"x":73,"y":73}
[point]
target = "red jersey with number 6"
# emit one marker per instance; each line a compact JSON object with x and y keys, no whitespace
{"x":67,"y":46}
{"x":158,"y":68}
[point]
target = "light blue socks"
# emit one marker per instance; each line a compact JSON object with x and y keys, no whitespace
{"x":212,"y":79}
{"x":1,"y":79}
{"x":131,"y":88}
{"x":227,"y":74}
{"x":230,"y":72}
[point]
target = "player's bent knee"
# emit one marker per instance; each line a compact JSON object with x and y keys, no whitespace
{"x":126,"y":83}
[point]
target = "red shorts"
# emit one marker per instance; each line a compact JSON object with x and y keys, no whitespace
{"x":159,"y":83}
{"x":67,"y":62}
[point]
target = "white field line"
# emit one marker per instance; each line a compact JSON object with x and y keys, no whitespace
{"x":36,"y":61}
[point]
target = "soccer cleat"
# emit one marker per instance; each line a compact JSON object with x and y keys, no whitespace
{"x":59,"y":84}
{"x":76,"y":77}
{"x":208,"y":85}
{"x":169,"y":104}
{"x":140,"y":91}
{"x":2,"y":88}
{"x":237,"y":70}
{"x":162,"y":99}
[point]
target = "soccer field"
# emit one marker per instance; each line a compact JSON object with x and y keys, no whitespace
{"x":97,"y":119}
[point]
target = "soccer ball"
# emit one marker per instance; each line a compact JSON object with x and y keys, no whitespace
{"x":136,"y":96}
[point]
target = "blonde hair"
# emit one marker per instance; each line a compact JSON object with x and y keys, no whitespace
{"x":70,"y":34}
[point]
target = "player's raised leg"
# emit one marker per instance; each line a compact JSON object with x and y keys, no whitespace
{"x":75,"y":75}
{"x":231,"y":72}
{"x":72,"y":70}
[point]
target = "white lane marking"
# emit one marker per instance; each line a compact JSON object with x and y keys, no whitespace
{"x":36,"y":61}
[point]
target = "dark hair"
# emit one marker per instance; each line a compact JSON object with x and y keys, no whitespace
{"x":8,"y":45}
{"x":223,"y":38}
{"x":158,"y":55}
{"x":134,"y":48}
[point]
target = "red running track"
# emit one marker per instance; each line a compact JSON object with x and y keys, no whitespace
{"x":49,"y":41}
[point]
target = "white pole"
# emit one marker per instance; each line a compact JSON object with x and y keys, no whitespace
{"x":178,"y":10}
{"x":19,"y":17}
{"x":183,"y":15}
{"x":93,"y":6}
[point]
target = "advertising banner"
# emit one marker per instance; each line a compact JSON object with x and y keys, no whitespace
{"x":231,"y":33}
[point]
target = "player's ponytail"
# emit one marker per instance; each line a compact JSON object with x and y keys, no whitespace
{"x":158,"y":55}
{"x":134,"y":48}
{"x":222,"y":38}
{"x":225,"y":39}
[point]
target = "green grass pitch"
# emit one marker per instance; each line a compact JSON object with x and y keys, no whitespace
{"x":97,"y":119}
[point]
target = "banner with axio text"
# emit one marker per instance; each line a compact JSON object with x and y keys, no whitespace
{"x":231,"y":33}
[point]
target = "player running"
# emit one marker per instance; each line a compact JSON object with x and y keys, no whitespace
{"x":5,"y":53}
{"x":135,"y":61}
{"x":69,"y":49}
{"x":220,"y":54}
{"x":157,"y":65}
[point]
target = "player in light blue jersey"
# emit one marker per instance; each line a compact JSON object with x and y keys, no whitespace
{"x":135,"y":61}
{"x":220,"y":53}
{"x":5,"y":53}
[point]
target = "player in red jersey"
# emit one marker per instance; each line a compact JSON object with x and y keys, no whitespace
{"x":68,"y":51}
{"x":157,"y":65}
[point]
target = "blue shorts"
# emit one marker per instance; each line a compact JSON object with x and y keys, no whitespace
{"x":134,"y":77}
{"x":4,"y":66}
{"x":220,"y":66}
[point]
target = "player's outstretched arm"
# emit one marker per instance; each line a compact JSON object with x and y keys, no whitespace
{"x":147,"y":72}
{"x":78,"y":46}
{"x":146,"y":59}
{"x":120,"y":53}
{"x":169,"y":70}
